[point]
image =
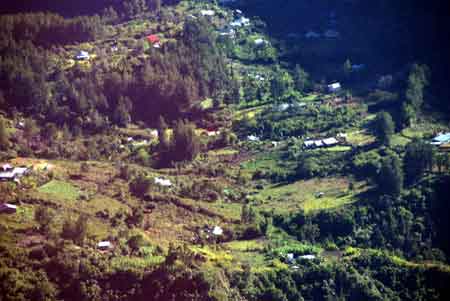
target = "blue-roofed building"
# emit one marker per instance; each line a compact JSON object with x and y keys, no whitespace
{"x":441,"y":139}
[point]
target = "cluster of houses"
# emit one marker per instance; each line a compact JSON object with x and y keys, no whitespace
{"x":292,"y":259}
{"x":326,"y":142}
{"x":10,"y":173}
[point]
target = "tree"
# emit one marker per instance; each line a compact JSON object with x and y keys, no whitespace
{"x":75,"y":231}
{"x":122,"y":112}
{"x":417,"y":81}
{"x":4,"y":136}
{"x":390,"y":176}
{"x":384,"y":127}
{"x":418,"y":159}
{"x":186,"y":143}
{"x":301,"y":78}
{"x":163,"y":135}
{"x":43,"y":216}
{"x":136,"y":217}
{"x":281,"y":83}
{"x":347,"y":68}
{"x":30,"y":129}
{"x":135,"y":242}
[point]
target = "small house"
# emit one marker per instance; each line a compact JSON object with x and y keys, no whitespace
{"x":82,"y":55}
{"x":153,"y":39}
{"x":6,"y":167}
{"x":290,"y":257}
{"x":8,"y":208}
{"x":334,"y":87}
{"x":441,"y":139}
{"x":207,"y":12}
{"x":308,"y":144}
{"x":217,"y":231}
{"x":104,"y":245}
{"x":330,"y":141}
{"x":259,"y":42}
{"x":307,"y":257}
{"x":240,"y":22}
{"x":252,"y":138}
{"x":163,"y":182}
{"x":318,"y":143}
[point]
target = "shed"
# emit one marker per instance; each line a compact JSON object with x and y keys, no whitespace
{"x":8,"y":208}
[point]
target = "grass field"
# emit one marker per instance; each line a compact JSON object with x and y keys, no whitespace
{"x":303,"y":194}
{"x":60,"y":189}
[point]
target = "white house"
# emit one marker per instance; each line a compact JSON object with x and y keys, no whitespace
{"x":163,"y":182}
{"x":12,"y":174}
{"x":217,"y":231}
{"x":290,"y":257}
{"x":8,"y":208}
{"x":441,"y":139}
{"x":240,"y":22}
{"x":82,"y":55}
{"x":307,"y":257}
{"x":104,"y":245}
{"x":334,"y":87}
{"x":252,"y":138}
{"x":207,"y":12}
{"x":330,"y":141}
{"x":259,"y":42}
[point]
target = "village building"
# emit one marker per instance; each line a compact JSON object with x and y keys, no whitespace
{"x":217,"y":231}
{"x":10,"y":173}
{"x":252,"y":138}
{"x":307,"y":257}
{"x":259,"y":42}
{"x":8,"y":208}
{"x":104,"y":245}
{"x":334,"y":87}
{"x":330,"y":141}
{"x":207,"y":12}
{"x":82,"y":55}
{"x":240,"y":22}
{"x":162,"y":182}
{"x":441,"y":139}
{"x":154,"y":40}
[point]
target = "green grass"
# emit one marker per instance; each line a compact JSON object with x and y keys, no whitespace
{"x":338,"y":148}
{"x":245,"y":245}
{"x":124,"y":263}
{"x":302,"y":195}
{"x":60,"y":189}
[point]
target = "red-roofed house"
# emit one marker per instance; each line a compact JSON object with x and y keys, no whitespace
{"x":153,"y":39}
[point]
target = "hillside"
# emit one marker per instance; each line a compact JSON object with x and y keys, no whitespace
{"x":246,"y":150}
